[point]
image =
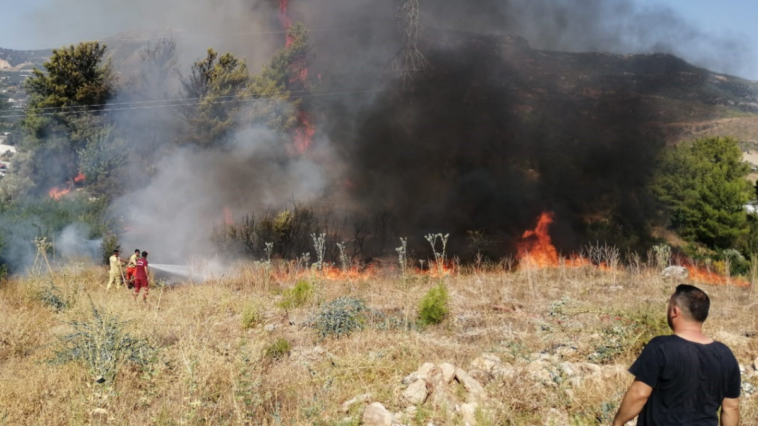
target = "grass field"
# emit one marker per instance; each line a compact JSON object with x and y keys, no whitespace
{"x":226,"y":353}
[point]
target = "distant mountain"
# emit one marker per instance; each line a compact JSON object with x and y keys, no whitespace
{"x":16,"y":60}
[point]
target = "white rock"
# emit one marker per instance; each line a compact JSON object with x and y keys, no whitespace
{"x":440,"y":398}
{"x":448,"y":372}
{"x":99,"y":414}
{"x":366,"y":397}
{"x":588,"y":369}
{"x":557,"y":418}
{"x":675,"y":272}
{"x":486,"y":363}
{"x":407,"y":380}
{"x":567,"y":369}
{"x":755,"y":364}
{"x":743,"y":369}
{"x":269,"y":327}
{"x":376,"y":415}
{"x":423,"y":371}
{"x":468,"y":413}
{"x":472,"y":385}
{"x":415,"y":394}
{"x":504,"y":371}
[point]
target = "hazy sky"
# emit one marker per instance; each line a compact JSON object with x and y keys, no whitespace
{"x":22,"y":21}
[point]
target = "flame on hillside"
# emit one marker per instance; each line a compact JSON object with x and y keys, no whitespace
{"x":706,"y":276}
{"x":536,"y":250}
{"x":58,"y":193}
{"x":80,"y":178}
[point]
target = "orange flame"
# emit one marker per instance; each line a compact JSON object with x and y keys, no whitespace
{"x":536,"y":250}
{"x":706,"y":276}
{"x":80,"y":177}
{"x":304,"y":134}
{"x":57,"y":193}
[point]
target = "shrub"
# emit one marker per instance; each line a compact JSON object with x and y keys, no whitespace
{"x":252,"y":315}
{"x":433,"y":307}
{"x":103,"y":345}
{"x":53,"y":297}
{"x":297,"y":296}
{"x":341,"y":317}
{"x":278,"y":349}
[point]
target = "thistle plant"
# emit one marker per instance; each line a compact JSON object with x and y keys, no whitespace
{"x":303,"y":261}
{"x":402,"y":256}
{"x":319,"y":244}
{"x":344,"y":258}
{"x":439,"y":257}
{"x":662,"y":255}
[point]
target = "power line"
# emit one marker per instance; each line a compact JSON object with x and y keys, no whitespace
{"x":254,"y":99}
{"x":110,"y":104}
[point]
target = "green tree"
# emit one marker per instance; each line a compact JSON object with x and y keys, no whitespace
{"x":64,"y":114}
{"x":703,"y":187}
{"x":216,"y":82}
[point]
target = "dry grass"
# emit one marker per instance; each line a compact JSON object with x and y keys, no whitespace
{"x":211,"y":369}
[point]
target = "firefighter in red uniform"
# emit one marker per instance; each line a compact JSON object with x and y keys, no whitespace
{"x":141,"y":276}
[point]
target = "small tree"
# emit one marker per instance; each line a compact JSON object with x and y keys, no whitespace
{"x":702,"y":185}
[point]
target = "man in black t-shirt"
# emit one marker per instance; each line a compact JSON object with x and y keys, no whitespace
{"x":684,"y":379}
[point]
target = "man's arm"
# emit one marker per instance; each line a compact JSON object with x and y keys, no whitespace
{"x":730,"y":412}
{"x":634,"y":400}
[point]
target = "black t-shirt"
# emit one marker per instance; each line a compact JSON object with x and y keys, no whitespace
{"x":689,"y":381}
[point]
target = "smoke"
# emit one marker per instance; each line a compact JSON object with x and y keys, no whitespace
{"x":175,"y":215}
{"x":496,"y":132}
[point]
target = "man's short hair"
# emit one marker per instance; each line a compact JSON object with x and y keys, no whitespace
{"x":136,"y":251}
{"x":144,"y":254}
{"x":692,"y":301}
{"x":116,"y":252}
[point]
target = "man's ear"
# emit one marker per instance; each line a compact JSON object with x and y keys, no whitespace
{"x":676,"y":311}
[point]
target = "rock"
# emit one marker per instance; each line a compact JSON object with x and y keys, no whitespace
{"x":588,"y":369}
{"x":568,"y":369}
{"x":678,"y":272}
{"x":411,"y":378}
{"x":421,"y":374}
{"x":448,"y":371}
{"x":411,"y":411}
{"x":755,"y":364}
{"x":474,"y":388}
{"x":504,"y":371}
{"x":743,"y":369}
{"x":468,"y":413}
{"x":376,"y":415}
{"x":415,"y":394}
{"x":424,"y":370}
{"x":440,"y":398}
{"x":486,"y":363}
{"x":269,"y":327}
{"x":538,"y":372}
{"x":366,"y":397}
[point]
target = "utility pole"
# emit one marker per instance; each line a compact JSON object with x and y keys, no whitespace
{"x":409,"y":60}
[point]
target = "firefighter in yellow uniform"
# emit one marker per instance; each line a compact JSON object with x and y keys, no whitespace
{"x":115,"y":273}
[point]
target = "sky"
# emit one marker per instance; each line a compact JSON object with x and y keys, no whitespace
{"x":21,"y":22}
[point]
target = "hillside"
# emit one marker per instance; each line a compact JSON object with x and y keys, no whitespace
{"x":15,"y":60}
{"x":533,"y":347}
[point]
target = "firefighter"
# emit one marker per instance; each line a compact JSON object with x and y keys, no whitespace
{"x":141,"y":277}
{"x":115,"y":274}
{"x":131,"y":269}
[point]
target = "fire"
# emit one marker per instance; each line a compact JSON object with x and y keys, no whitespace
{"x":284,"y":17}
{"x":80,"y":178}
{"x":304,"y":134}
{"x":57,"y":193}
{"x":706,"y":276}
{"x":536,"y":250}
